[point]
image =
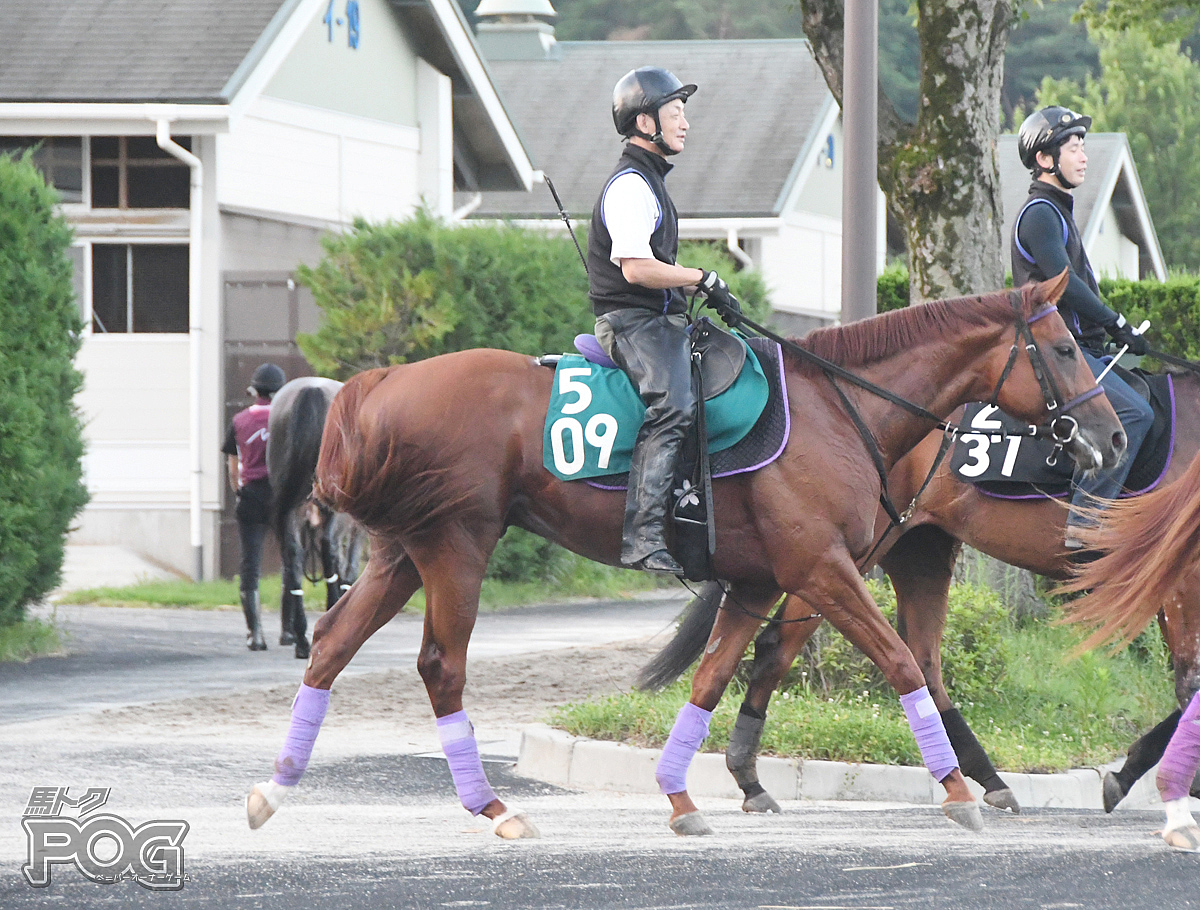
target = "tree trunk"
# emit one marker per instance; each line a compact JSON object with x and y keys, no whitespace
{"x":939,"y":174}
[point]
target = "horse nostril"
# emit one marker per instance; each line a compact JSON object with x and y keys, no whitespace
{"x":1118,"y":441}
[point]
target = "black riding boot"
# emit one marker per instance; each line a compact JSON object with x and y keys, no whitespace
{"x":643,"y":541}
{"x":286,"y":635}
{"x":254,"y":638}
{"x":293,"y":605}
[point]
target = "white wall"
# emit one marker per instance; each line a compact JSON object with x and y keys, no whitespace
{"x":1111,"y":253}
{"x":294,"y":160}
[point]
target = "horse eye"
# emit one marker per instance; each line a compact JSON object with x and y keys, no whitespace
{"x":1065,"y":350}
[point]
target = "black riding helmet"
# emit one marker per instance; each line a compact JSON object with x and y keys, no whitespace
{"x":1045,"y":131}
{"x":644,"y":91}
{"x":267,"y":379}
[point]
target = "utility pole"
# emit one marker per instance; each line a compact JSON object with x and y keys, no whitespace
{"x":860,"y":119}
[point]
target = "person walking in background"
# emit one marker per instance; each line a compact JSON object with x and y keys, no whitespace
{"x":246,"y":447}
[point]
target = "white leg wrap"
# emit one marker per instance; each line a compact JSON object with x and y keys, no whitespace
{"x":1179,"y":814}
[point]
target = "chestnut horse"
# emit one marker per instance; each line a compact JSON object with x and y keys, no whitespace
{"x":435,"y":459}
{"x":920,"y":563}
{"x":1150,"y":565}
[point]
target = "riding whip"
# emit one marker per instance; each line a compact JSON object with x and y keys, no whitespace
{"x":567,"y":221}
{"x":1141,"y":330}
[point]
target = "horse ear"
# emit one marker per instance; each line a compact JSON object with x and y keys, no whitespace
{"x":1053,"y":288}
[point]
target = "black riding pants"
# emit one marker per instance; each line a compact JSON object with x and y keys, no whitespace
{"x":654,"y":350}
{"x":253,"y":514}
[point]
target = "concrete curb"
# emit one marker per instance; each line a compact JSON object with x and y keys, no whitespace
{"x":558,"y":758}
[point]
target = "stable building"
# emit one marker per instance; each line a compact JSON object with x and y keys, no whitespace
{"x":201,"y":150}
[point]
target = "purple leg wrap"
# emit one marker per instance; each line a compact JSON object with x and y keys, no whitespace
{"x":308,"y":711}
{"x":691,"y":726}
{"x":1182,"y":755}
{"x":927,"y":727}
{"x":462,"y":754}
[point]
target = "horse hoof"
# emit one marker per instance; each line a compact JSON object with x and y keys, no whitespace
{"x":966,"y":814}
{"x":287,"y":638}
{"x":262,"y":802}
{"x":1003,"y":799}
{"x":761,"y":802}
{"x":514,"y":825}
{"x":302,"y":649}
{"x":1113,"y":792}
{"x":691,"y":824}
{"x":1185,"y":840}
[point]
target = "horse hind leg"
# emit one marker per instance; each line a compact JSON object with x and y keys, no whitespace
{"x":775,"y":649}
{"x":385,"y":588}
{"x":743,"y":610}
{"x":453,"y":572}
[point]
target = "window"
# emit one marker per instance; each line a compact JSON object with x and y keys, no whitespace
{"x":132,"y":172}
{"x":139,"y":288}
{"x":59,"y":158}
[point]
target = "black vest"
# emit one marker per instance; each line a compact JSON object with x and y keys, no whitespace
{"x":1090,"y":334}
{"x":607,"y":286}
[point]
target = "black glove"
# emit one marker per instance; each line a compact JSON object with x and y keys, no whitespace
{"x":719,"y":298}
{"x":1125,"y":334}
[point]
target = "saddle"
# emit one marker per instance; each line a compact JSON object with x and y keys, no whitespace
{"x":1015,"y":467}
{"x":744,"y":416}
{"x":722,"y":355}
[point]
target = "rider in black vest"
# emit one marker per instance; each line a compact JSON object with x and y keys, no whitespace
{"x":637,"y":297}
{"x":1045,"y":241}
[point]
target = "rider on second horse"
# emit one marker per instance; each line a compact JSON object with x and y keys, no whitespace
{"x":636,"y":291}
{"x":1045,"y":241}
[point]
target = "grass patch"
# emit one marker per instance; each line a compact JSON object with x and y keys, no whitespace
{"x":587,"y":579}
{"x":1045,"y":713}
{"x":27,"y":639}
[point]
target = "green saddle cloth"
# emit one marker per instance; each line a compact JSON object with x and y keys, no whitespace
{"x":595,"y":414}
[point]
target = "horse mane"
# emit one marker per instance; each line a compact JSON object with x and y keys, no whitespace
{"x":869,"y":340}
{"x":296,"y":454}
{"x":1149,"y":545}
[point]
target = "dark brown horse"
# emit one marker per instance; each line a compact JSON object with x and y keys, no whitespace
{"x":920,"y":564}
{"x":437,"y":458}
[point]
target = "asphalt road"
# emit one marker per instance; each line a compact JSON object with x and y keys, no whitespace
{"x":373,"y":827}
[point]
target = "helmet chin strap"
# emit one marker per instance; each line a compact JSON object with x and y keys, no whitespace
{"x":1058,"y":175}
{"x":657,"y":138}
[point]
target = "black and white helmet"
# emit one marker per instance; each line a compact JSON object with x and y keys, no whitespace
{"x":1045,"y":131}
{"x":644,"y":91}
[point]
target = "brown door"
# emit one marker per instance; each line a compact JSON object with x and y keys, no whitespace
{"x":263,"y":313}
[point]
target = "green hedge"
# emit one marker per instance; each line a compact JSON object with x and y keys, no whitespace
{"x":1172,"y":306}
{"x":41,"y":446}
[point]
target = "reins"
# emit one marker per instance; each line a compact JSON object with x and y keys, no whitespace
{"x":1062,"y":428}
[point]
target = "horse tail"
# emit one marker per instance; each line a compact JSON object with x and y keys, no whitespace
{"x":1148,"y":544}
{"x":340,"y":472}
{"x":296,"y":465}
{"x":685,"y":648}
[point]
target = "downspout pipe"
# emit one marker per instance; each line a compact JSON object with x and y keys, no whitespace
{"x":195,"y":242}
{"x":731,"y":242}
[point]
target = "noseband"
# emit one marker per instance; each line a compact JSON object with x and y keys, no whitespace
{"x":1062,"y":428}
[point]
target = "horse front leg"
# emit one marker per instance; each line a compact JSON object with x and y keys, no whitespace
{"x":453,"y":571}
{"x":743,"y":609}
{"x":921,"y":568}
{"x":1177,"y":770}
{"x":384,"y":589}
{"x":775,"y":650}
{"x":836,"y":591}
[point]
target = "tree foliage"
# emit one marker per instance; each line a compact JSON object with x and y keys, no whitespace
{"x":1150,"y":92}
{"x":1163,"y":21}
{"x":402,"y":291}
{"x":41,"y":444}
{"x":674,"y":20}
